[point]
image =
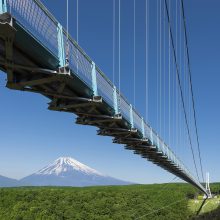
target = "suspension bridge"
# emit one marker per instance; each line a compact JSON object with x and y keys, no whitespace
{"x":75,"y":84}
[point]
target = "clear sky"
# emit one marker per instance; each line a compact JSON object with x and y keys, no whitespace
{"x":32,"y":136}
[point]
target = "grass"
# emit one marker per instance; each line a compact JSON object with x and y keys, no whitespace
{"x":210,"y":205}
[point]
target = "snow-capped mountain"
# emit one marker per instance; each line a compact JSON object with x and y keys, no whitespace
{"x":7,"y":182}
{"x":66,"y":171}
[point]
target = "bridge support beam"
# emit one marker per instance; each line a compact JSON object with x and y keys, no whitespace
{"x":7,"y":33}
{"x":96,"y":120}
{"x":132,"y":141}
{"x":89,"y":103}
{"x":115,"y":132}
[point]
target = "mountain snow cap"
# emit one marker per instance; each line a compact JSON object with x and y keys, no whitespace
{"x":67,"y":164}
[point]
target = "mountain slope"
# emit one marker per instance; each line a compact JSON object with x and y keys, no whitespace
{"x":7,"y":182}
{"x":66,"y":171}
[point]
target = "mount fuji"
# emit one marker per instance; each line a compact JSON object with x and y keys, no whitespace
{"x":66,"y":171}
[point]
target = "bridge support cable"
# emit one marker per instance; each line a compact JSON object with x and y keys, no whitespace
{"x":147,"y":57}
{"x":159,"y":197}
{"x":182,"y":75}
{"x":77,"y":21}
{"x":177,"y":86}
{"x":180,"y":87}
{"x":113,"y":43}
{"x":115,"y":93}
{"x":153,"y":212}
{"x":160,"y":78}
{"x":134,"y":73}
{"x":169,"y":87}
{"x":191,"y":88}
{"x":157,"y":63}
{"x":119,"y":51}
{"x":67,"y":33}
{"x":164,"y":74}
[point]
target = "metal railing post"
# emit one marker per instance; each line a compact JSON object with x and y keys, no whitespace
{"x":115,"y":99}
{"x":158,"y":142}
{"x":168,"y":152}
{"x":94,"y":80}
{"x":164,"y":150}
{"x":3,"y":6}
{"x":131,"y":116}
{"x":61,"y":50}
{"x":142,"y":127}
{"x":151,"y":136}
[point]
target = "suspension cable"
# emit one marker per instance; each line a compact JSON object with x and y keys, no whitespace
{"x":67,"y":18}
{"x":164,"y":73}
{"x":180,"y":71}
{"x":169,"y":115}
{"x":158,"y":195}
{"x":119,"y":47}
{"x":134,"y":79}
{"x":67,"y":27}
{"x":147,"y":51}
{"x":191,"y":87}
{"x":163,"y":207}
{"x":177,"y":94}
{"x":77,"y":21}
{"x":160,"y":102}
{"x":77,"y":32}
{"x":158,"y":71}
{"x":113,"y":40}
{"x":180,"y":87}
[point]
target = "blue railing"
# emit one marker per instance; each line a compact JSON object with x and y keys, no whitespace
{"x":42,"y":25}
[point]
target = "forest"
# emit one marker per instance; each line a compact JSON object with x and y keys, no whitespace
{"x":155,"y":202}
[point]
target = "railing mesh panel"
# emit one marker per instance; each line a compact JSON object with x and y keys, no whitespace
{"x":105,"y":89}
{"x":34,"y":19}
{"x":124,"y":108}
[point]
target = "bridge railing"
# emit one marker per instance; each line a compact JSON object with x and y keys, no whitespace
{"x":78,"y":63}
{"x":105,"y":87}
{"x":33,"y":16}
{"x":137,"y":121}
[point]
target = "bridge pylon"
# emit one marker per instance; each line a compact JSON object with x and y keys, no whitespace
{"x":207,"y":186}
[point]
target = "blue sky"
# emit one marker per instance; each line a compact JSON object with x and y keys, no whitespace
{"x":32,"y":136}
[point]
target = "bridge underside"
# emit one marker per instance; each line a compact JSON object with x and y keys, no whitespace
{"x":31,"y":67}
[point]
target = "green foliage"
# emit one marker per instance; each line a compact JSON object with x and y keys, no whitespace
{"x":214,"y":215}
{"x":158,"y":201}
{"x":215,"y":188}
{"x":210,"y":204}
